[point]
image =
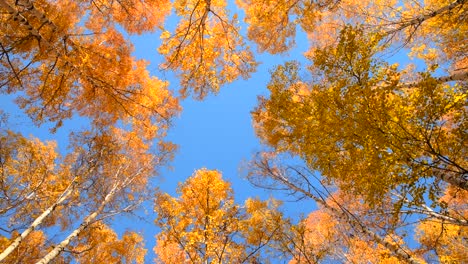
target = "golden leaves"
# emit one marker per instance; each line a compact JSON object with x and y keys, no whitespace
{"x":100,"y":244}
{"x":27,"y":171}
{"x":206,"y":49}
{"x":205,"y":225}
{"x":447,"y":240}
{"x":356,"y":122}
{"x":87,"y":67}
{"x":269,"y":23}
{"x":168,"y":252}
{"x":357,"y":125}
{"x":200,"y":220}
{"x":136,"y":17}
{"x":435,"y":31}
{"x":327,"y":235}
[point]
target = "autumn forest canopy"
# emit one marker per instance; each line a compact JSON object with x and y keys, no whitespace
{"x":370,"y":124}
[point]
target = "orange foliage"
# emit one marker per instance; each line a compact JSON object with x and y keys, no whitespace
{"x":204,"y":225}
{"x":206,"y":49}
{"x":29,"y":251}
{"x":447,"y":240}
{"x":100,"y":244}
{"x":69,"y":58}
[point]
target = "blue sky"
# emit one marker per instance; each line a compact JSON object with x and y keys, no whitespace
{"x":215,"y":133}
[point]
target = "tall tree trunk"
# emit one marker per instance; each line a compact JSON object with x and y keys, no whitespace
{"x":397,"y":251}
{"x":86,"y":222}
{"x":418,"y":20}
{"x":37,"y":222}
{"x":458,"y":76}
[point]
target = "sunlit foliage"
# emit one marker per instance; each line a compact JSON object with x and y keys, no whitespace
{"x":205,"y":225}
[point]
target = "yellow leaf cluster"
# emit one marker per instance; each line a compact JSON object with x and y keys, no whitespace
{"x":29,"y":250}
{"x":75,"y":60}
{"x":206,"y":48}
{"x":31,"y":180}
{"x":447,"y":240}
{"x":269,"y":23}
{"x":363,"y":129}
{"x":134,"y":16}
{"x":100,"y":244}
{"x":205,"y":225}
{"x":324,"y":236}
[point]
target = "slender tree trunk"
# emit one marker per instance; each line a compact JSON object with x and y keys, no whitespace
{"x":430,"y":212}
{"x":86,"y":222}
{"x":394,"y":249}
{"x":17,"y":15}
{"x":37,"y":222}
{"x":459,"y":76}
{"x":458,"y":180}
{"x":120,"y":182}
{"x":418,"y":20}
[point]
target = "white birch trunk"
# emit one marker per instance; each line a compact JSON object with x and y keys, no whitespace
{"x":86,"y":222}
{"x":459,"y":76}
{"x":36,"y":223}
{"x":418,"y":20}
{"x":397,"y":251}
{"x":119,"y":184}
